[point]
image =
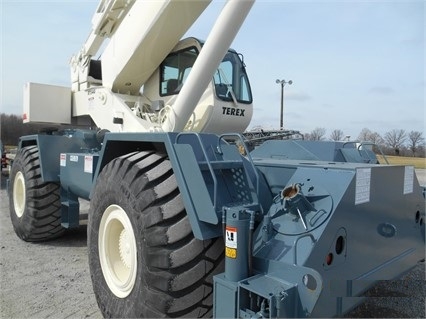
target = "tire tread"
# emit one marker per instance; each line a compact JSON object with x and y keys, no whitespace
{"x":177,"y":268}
{"x":42,"y":215}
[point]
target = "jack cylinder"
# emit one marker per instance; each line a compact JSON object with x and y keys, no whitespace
{"x":236,"y":244}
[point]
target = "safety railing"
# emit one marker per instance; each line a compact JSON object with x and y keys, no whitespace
{"x":360,"y":145}
{"x":213,"y":165}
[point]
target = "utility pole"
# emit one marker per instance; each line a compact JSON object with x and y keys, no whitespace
{"x":283,"y":83}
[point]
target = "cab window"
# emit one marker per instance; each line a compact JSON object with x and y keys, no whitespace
{"x":175,"y":70}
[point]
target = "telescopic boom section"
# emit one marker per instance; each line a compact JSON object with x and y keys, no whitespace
{"x":144,"y":39}
{"x":141,"y":34}
{"x":106,"y":20}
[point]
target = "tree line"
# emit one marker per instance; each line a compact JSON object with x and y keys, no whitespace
{"x":12,"y":128}
{"x":395,"y":142}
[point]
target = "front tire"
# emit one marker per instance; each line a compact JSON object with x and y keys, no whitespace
{"x":144,"y":259}
{"x":34,"y":205}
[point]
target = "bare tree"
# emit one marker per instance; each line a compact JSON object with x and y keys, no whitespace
{"x":337,"y":135}
{"x":364,"y":135}
{"x":415,"y":139}
{"x":376,"y":138}
{"x":316,"y":135}
{"x":11,"y":129}
{"x":395,"y":139}
{"x":367,"y":135}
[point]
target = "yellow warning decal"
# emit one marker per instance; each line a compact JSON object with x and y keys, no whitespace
{"x":231,"y":252}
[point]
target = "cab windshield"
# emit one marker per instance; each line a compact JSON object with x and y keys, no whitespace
{"x":231,"y":81}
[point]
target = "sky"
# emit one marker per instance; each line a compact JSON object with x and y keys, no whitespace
{"x":354,"y":64}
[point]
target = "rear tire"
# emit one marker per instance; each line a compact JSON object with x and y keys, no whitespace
{"x":35,"y":206}
{"x":144,"y":259}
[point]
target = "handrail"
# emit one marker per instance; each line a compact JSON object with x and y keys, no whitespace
{"x":367,"y":143}
{"x":207,"y":162}
{"x":378,"y":147}
{"x":296,"y":242}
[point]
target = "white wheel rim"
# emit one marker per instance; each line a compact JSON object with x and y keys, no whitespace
{"x":19,"y":195}
{"x":117,"y":251}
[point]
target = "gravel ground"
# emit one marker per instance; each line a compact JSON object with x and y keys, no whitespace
{"x":44,"y":280}
{"x":52,"y":280}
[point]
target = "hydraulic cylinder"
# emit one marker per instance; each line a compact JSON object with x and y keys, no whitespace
{"x":236,"y":238}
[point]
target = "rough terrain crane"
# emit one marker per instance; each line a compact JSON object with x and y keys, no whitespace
{"x":182,"y":222}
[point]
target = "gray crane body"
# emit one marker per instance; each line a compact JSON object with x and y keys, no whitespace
{"x":191,"y":223}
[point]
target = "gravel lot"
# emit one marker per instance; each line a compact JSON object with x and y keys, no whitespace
{"x":52,"y":280}
{"x":44,"y":280}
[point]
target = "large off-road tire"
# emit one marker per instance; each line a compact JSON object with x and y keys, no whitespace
{"x":144,"y":259}
{"x":35,"y":207}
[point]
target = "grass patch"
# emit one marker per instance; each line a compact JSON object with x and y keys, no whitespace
{"x":417,"y":162}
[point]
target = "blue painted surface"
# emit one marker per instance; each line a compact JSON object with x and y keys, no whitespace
{"x":345,"y":225}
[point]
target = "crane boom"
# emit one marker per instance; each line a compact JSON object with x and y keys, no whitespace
{"x":127,"y":61}
{"x":144,"y":39}
{"x":107,"y":18}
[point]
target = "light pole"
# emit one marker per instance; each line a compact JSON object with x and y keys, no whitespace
{"x":283,"y":82}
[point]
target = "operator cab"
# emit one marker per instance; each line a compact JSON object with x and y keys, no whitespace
{"x":225,"y":106}
{"x":230,"y":79}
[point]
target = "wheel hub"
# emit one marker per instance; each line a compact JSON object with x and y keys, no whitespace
{"x":19,"y":194}
{"x":117,"y":251}
{"x":125,"y":249}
